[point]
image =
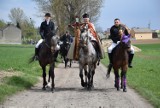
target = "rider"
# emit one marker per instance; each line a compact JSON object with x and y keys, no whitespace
{"x":94,"y":36}
{"x":66,"y":38}
{"x":114,"y":35}
{"x":45,"y":28}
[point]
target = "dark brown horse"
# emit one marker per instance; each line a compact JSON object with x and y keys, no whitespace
{"x":120,"y":61}
{"x":46,"y":56}
{"x":64,"y":48}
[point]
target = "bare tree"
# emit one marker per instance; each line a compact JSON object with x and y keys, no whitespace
{"x":16,"y":15}
{"x":64,"y":11}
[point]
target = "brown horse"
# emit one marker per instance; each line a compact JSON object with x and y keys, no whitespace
{"x":46,"y":56}
{"x":120,"y":61}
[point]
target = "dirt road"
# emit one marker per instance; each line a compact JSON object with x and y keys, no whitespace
{"x":70,"y":94}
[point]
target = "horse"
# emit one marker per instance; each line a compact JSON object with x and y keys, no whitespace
{"x":120,"y":61}
{"x":64,"y":48}
{"x":46,"y":56}
{"x":87,"y":58}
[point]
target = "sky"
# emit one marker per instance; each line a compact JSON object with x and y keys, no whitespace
{"x":133,"y":13}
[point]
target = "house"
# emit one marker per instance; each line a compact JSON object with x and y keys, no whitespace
{"x":107,"y":32}
{"x":10,"y":34}
{"x":102,"y":36}
{"x":154,"y":34}
{"x":141,"y":33}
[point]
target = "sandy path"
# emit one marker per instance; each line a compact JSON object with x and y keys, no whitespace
{"x":70,"y":94}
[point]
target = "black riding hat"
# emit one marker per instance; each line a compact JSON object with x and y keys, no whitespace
{"x":85,"y":15}
{"x":47,"y":15}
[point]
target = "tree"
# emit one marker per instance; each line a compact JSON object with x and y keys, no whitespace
{"x":16,"y":15}
{"x":64,"y":11}
{"x":2,"y":23}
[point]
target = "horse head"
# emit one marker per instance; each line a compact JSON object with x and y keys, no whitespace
{"x":54,"y":42}
{"x":125,"y":41}
{"x":84,"y":38}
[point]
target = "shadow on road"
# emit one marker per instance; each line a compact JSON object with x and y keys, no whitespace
{"x":59,"y":89}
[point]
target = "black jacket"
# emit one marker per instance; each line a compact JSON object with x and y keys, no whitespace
{"x":114,"y":32}
{"x":66,"y":38}
{"x":45,"y":29}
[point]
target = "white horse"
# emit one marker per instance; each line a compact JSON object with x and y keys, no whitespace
{"x":87,"y":59}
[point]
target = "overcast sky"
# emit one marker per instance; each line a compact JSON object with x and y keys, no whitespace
{"x":133,"y":13}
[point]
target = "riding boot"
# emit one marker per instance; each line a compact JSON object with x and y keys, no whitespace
{"x":36,"y":53}
{"x":110,"y":63}
{"x":56,"y":55}
{"x":130,"y":60}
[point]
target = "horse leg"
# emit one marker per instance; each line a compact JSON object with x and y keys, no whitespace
{"x":81,"y":75}
{"x":122,"y":74}
{"x":52,"y":76}
{"x":65,"y":61}
{"x":44,"y":78}
{"x":89,"y":77}
{"x":70,"y":62}
{"x":86,"y":74}
{"x":93,"y":72}
{"x":116,"y":79}
{"x":49,"y":76}
{"x":124,"y":82}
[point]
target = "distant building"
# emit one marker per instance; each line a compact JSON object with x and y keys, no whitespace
{"x":102,"y":36}
{"x":107,"y":32}
{"x":154,"y":34}
{"x":10,"y":34}
{"x":158,"y":33}
{"x":141,"y":33}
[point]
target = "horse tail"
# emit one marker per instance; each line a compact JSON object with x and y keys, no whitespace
{"x":31,"y":59}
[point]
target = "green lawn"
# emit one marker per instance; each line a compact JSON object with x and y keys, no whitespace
{"x":145,"y":76}
{"x":15,"y":58}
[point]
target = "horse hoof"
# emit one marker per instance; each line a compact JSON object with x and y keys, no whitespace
{"x":52,"y":90}
{"x":124,"y":90}
{"x":92,"y":86}
{"x":115,"y":85}
{"x":89,"y":88}
{"x":43,"y":88}
{"x":121,"y":87}
{"x":82,"y":84}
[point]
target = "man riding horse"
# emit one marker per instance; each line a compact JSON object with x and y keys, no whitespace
{"x":115,"y":36}
{"x":66,"y":38}
{"x":65,"y":43}
{"x":46,"y":27}
{"x":93,"y":35}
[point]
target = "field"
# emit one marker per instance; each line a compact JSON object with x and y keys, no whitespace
{"x":14,"y":61}
{"x":145,"y":76}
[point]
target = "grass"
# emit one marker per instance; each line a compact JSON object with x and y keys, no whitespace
{"x":15,"y":58}
{"x":145,"y":76}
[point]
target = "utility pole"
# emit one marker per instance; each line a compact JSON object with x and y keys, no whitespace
{"x":149,"y":24}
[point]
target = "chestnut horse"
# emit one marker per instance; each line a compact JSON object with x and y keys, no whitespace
{"x":120,"y":61}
